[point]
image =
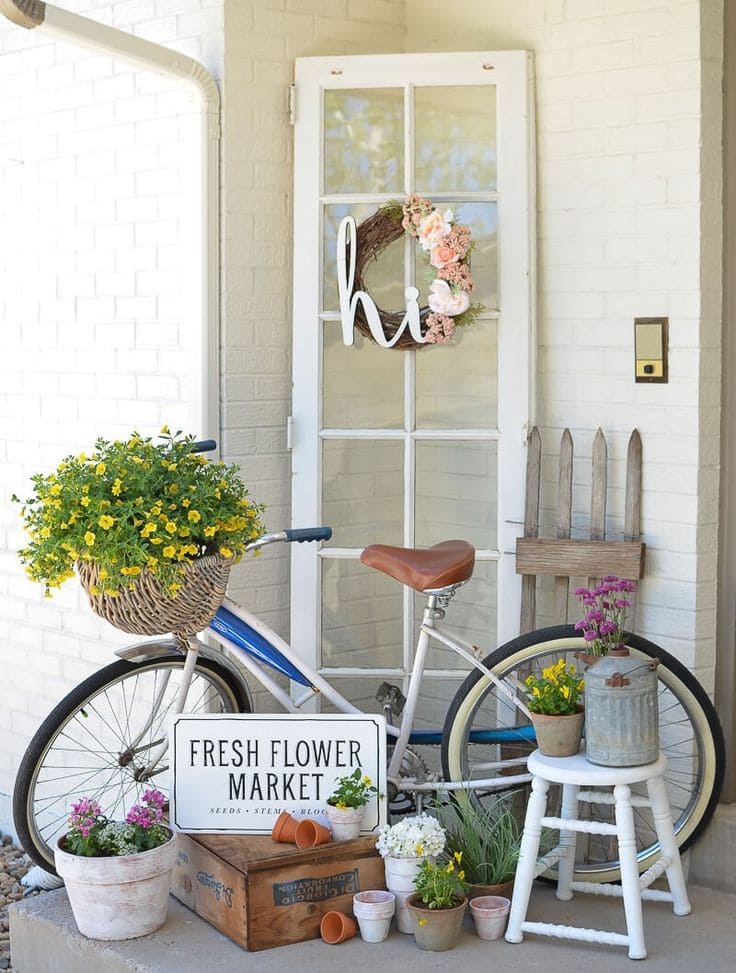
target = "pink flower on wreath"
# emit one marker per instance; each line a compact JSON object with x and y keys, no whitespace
{"x":459,"y":275}
{"x":443,"y":300}
{"x":434,"y":228}
{"x":440,"y":329}
{"x":459,"y":239}
{"x":442,"y":255}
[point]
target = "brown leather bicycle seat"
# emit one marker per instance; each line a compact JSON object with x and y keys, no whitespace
{"x":436,"y":567}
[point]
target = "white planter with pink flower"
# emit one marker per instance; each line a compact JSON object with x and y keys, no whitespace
{"x":120,"y":897}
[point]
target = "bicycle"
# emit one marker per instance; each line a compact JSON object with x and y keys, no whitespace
{"x":107,"y":738}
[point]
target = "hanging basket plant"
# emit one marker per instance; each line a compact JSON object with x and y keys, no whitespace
{"x":446,"y":247}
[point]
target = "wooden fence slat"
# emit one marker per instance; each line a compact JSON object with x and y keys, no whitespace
{"x":578,"y":558}
{"x":564,"y":521}
{"x":632,"y":513}
{"x":599,"y":482}
{"x":531,"y":528}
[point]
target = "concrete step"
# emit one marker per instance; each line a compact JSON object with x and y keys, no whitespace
{"x":44,"y":939}
{"x":713,"y":856}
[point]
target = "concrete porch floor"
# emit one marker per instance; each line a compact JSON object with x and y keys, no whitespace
{"x":44,"y":939}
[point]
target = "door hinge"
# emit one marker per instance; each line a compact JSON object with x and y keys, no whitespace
{"x":292,"y":104}
{"x":289,"y":432}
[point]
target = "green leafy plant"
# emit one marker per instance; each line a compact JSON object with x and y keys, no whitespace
{"x":487,"y":837}
{"x":556,"y":692}
{"x":441,"y":885}
{"x":352,"y":790}
{"x":92,"y":835}
{"x":136,"y":506}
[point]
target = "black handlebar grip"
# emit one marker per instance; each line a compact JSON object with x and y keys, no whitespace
{"x":301,"y":534}
{"x":204,"y":446}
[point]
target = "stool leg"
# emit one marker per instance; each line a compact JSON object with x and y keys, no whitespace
{"x":629,"y":871}
{"x":528,"y":852}
{"x":566,"y":864}
{"x":668,"y":843}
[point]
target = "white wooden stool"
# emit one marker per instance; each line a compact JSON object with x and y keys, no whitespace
{"x":574,"y":773}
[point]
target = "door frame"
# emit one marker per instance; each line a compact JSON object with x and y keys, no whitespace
{"x":513,"y":73}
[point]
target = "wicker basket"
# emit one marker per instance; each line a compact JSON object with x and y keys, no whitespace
{"x":146,"y":608}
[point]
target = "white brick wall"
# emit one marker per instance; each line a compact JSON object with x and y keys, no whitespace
{"x":629,"y":225}
{"x":95,"y":206}
{"x":93,"y":214}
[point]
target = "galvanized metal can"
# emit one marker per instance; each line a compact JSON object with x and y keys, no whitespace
{"x":621,"y":714}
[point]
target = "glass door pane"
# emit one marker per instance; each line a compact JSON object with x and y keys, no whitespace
{"x":364,"y":140}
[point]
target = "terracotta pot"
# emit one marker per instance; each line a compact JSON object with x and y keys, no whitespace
{"x":559,"y":736}
{"x":309,"y":834}
{"x":435,"y":930}
{"x":336,"y":927}
{"x":285,"y":828}
{"x":345,"y":822}
{"x":490,"y":914}
{"x":120,"y":897}
{"x":505,"y":890}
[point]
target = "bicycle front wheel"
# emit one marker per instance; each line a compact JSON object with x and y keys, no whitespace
{"x":97,"y":742}
{"x":690,"y":737}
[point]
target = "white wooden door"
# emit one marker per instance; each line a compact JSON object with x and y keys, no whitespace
{"x":409,"y":447}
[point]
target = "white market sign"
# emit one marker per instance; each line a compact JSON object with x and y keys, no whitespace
{"x":235,"y":773}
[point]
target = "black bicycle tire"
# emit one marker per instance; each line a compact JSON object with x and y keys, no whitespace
{"x":668,"y":663}
{"x":49,"y":729}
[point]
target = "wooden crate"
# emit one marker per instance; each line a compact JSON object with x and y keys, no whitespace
{"x":263,"y":894}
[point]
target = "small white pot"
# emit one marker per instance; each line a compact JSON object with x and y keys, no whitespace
{"x":400,"y":874}
{"x":490,"y":913}
{"x":374,"y":909}
{"x":345,"y":822}
{"x":121,"y":897}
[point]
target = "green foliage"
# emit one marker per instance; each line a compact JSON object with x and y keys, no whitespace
{"x":353,"y":790}
{"x":441,"y":885}
{"x":556,"y":692}
{"x":487,"y":837}
{"x":134,"y":506}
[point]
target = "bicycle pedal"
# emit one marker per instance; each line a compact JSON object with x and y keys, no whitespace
{"x":391,"y":698}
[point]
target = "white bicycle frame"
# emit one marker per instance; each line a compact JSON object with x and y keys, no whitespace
{"x":437,"y":602}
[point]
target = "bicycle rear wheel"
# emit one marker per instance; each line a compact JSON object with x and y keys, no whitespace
{"x":88,"y":745}
{"x":690,"y":737}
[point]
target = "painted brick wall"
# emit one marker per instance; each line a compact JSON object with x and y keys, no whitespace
{"x":629,"y":225}
{"x":95,"y":208}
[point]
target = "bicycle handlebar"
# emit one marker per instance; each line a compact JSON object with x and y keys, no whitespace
{"x":301,"y":534}
{"x":204,"y":446}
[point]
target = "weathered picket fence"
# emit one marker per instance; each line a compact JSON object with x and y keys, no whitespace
{"x":563,"y":556}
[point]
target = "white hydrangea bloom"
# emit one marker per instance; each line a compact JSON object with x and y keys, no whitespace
{"x":420,"y":836}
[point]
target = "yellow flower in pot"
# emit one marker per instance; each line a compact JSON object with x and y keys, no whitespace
{"x":557,"y":715}
{"x":139,"y":518}
{"x":438,"y":905}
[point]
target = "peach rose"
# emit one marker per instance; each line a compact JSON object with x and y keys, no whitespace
{"x":433,"y":228}
{"x":443,"y":255}
{"x":443,"y":300}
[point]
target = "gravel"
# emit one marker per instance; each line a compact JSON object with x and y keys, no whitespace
{"x":14,"y":863}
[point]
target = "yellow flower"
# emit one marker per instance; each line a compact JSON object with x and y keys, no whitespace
{"x":117,"y":488}
{"x":100,"y":469}
{"x":170,"y":527}
{"x":421,"y":922}
{"x":106,"y":522}
{"x":419,"y":849}
{"x":226,"y":552}
{"x":45,"y":532}
{"x":131,"y":572}
{"x":85,"y":501}
{"x":169,"y":550}
{"x":210,"y":531}
{"x":94,"y":590}
{"x":55,"y":490}
{"x":89,"y":538}
{"x":458,"y":856}
{"x":194,"y":516}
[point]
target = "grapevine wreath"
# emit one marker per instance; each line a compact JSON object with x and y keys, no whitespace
{"x":446,"y":248}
